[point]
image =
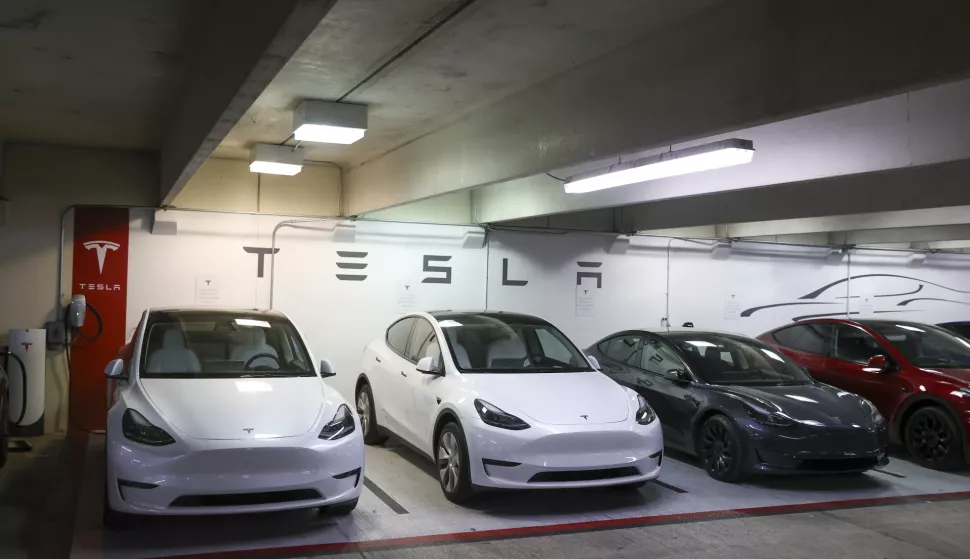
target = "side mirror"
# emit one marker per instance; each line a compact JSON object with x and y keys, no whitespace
{"x":593,"y":362}
{"x":326,"y":369}
{"x":677,"y":375}
{"x":428,"y":366}
{"x":877,"y":364}
{"x":115,"y":369}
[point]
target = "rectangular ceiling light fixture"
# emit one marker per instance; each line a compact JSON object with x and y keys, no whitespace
{"x":276,"y":160}
{"x":329,"y":123}
{"x":681,"y":162}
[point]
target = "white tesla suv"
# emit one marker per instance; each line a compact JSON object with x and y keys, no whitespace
{"x":218,"y":411}
{"x":505,"y":401}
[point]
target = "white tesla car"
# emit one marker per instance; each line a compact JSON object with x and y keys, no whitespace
{"x":219,"y":411}
{"x":505,"y":401}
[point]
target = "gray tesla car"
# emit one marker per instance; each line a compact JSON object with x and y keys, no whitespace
{"x":742,"y":406}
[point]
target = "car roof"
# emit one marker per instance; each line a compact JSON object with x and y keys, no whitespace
{"x":188,"y":311}
{"x":501,"y":315}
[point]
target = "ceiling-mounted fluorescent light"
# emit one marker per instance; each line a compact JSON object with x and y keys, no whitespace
{"x":681,"y":162}
{"x":276,"y":160}
{"x":329,"y":123}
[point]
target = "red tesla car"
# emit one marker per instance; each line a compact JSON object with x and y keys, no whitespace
{"x":917,"y":375}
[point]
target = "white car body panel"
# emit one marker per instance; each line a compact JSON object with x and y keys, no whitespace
{"x":409,"y":404}
{"x":232,"y":436}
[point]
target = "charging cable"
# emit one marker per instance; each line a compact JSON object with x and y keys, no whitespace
{"x":23,"y":372}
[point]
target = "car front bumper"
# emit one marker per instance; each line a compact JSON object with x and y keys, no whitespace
{"x":802,"y":449}
{"x":237,"y":476}
{"x":559,"y":456}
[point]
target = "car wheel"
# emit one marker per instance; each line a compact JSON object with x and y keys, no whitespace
{"x":112,"y":519}
{"x":933,"y":439}
{"x":340,"y":509}
{"x":720,"y":450}
{"x":454,"y":474}
{"x":368,"y":417}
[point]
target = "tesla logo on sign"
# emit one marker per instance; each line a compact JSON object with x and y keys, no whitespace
{"x":357,"y":263}
{"x":26,"y":345}
{"x":101,"y":248}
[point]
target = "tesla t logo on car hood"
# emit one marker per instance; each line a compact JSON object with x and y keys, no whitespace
{"x":249,"y":430}
{"x":584,"y":416}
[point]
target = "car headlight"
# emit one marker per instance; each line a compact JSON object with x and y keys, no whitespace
{"x":765,"y":417}
{"x":138,"y":429}
{"x":874,"y":414}
{"x":340,"y":426}
{"x":645,"y":414}
{"x":495,"y":417}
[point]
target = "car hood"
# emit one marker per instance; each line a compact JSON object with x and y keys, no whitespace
{"x":815,"y":404}
{"x":229,"y":408}
{"x":554,"y":398}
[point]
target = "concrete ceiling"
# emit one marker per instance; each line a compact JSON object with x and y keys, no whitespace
{"x":104,"y":75}
{"x":423,"y":64}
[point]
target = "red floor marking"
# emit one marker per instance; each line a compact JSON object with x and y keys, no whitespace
{"x":587,"y":526}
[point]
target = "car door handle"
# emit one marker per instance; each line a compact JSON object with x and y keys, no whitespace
{"x":403,"y":374}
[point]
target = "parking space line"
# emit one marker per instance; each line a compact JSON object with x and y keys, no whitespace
{"x":568,"y":528}
{"x":881,"y":471}
{"x":673,"y":488}
{"x":383,"y":496}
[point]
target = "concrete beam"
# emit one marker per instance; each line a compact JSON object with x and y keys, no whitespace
{"x":922,"y":127}
{"x":901,"y":235}
{"x":874,"y":220}
{"x":738,"y":64}
{"x":929,"y":186}
{"x":247,"y":43}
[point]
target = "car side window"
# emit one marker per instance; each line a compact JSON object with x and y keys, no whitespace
{"x":658,"y":357}
{"x":420,"y":337}
{"x":398,"y":333}
{"x":625,"y":349}
{"x":855,"y":345}
{"x":807,"y":338}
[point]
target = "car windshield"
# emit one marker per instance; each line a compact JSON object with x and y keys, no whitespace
{"x":198,"y":344}
{"x":509,"y":344}
{"x":926,"y":346}
{"x":725,"y":359}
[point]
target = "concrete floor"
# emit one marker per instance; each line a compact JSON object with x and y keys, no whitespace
{"x":50,"y":508}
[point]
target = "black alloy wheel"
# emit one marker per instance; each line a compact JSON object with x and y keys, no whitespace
{"x":933,"y":439}
{"x":719,"y":448}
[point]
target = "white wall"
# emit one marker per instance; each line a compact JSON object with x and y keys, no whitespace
{"x":339,"y":317}
{"x":714,"y":293}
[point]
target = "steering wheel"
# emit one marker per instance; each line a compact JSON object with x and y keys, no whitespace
{"x":264,"y":367}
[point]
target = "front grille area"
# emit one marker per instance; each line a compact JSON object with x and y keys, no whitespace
{"x":583,"y":475}
{"x":838,"y":464}
{"x":244,"y":499}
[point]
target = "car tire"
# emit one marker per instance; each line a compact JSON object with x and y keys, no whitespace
{"x":368,"y":416}
{"x":721,"y":449}
{"x":112,"y":519}
{"x":451,"y":459}
{"x":933,"y":439}
{"x":339,"y":509}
